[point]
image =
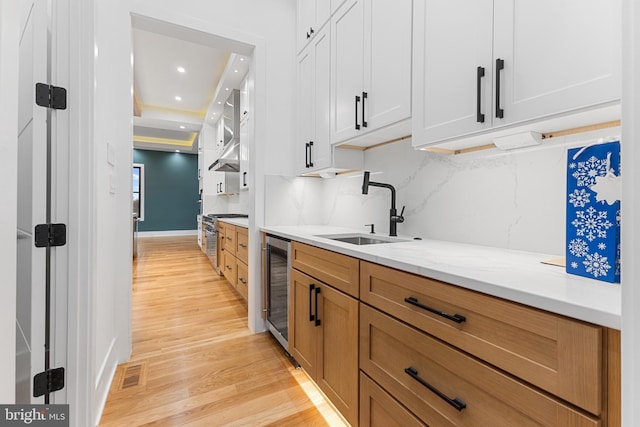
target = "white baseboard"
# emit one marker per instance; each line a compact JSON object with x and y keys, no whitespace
{"x":168,"y":233}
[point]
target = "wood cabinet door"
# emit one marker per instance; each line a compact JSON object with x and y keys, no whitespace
{"x":303,"y":334}
{"x":337,"y":373}
{"x":230,"y":239}
{"x":387,"y":62}
{"x":379,"y":409}
{"x":571,"y":61}
{"x":452,"y":38}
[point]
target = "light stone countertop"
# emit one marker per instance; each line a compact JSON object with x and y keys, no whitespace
{"x":513,"y":275}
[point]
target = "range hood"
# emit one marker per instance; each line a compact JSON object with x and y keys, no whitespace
{"x":229,"y":160}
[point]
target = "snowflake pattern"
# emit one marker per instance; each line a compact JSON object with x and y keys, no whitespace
{"x":587,"y":171}
{"x":596,"y":264}
{"x":591,"y":224}
{"x":578,"y":247}
{"x":579,"y":198}
{"x":602,"y":246}
{"x":574,"y":265}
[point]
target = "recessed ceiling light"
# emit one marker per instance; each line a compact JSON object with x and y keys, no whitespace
{"x":178,"y":98}
{"x":177,"y":151}
{"x":181,"y":126}
{"x":181,"y":69}
{"x":219,"y":102}
{"x":241,"y":59}
{"x":235,"y":71}
{"x":226,"y":88}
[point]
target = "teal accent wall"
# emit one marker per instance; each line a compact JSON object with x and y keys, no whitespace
{"x":171,"y":190}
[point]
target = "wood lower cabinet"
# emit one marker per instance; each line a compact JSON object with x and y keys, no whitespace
{"x":556,"y":353}
{"x":323,"y":338}
{"x":379,"y":409}
{"x":234,"y":242}
{"x":444,"y":386}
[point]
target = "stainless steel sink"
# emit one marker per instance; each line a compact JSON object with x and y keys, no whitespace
{"x":362,"y":239}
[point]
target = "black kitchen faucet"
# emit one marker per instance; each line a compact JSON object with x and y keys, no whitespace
{"x":394,"y":218}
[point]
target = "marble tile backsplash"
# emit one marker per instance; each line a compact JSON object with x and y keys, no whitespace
{"x":508,"y":199}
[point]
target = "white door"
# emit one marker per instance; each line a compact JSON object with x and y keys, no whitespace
{"x":347,"y":40}
{"x":32,"y":195}
{"x":558,"y":56}
{"x":452,"y":38}
{"x":387,"y":62}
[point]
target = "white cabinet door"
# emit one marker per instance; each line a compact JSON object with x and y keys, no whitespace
{"x":558,"y":56}
{"x":312,"y":15}
{"x":347,"y":56}
{"x":452,"y":38}
{"x":387,"y":62}
{"x":314,"y":76}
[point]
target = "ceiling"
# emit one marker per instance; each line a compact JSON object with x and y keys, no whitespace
{"x":180,"y":77}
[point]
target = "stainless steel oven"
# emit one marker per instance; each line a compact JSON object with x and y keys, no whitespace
{"x":278,"y":264}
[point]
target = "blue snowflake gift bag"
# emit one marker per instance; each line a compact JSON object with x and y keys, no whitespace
{"x":593,"y":211}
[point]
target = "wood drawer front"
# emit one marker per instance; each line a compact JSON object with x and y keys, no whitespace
{"x":230,"y":268}
{"x":492,"y":398}
{"x":339,"y":271}
{"x":242,"y":284}
{"x":379,"y":409}
{"x":560,"y":355}
{"x":230,"y":238}
{"x":242,"y":244}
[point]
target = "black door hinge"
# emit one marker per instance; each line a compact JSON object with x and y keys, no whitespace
{"x":48,"y":381}
{"x":49,"y":235}
{"x":50,"y":96}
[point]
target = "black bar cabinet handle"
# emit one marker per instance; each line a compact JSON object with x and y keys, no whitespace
{"x":357,"y":101}
{"x":311,"y":316}
{"x":499,"y":68}
{"x":244,"y":179}
{"x":480,"y":75}
{"x":310,"y":153}
{"x":241,"y":280}
{"x":458,"y":318}
{"x":455,"y":402}
{"x":306,"y":154}
{"x":317,"y":317}
{"x":365,"y":95}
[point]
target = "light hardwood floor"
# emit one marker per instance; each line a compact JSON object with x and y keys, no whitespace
{"x":194,"y":361}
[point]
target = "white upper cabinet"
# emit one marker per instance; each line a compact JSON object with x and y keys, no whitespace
{"x":490,"y":67}
{"x":312,"y":15}
{"x":371,"y":69}
{"x":314,"y":73}
{"x":246,"y":142}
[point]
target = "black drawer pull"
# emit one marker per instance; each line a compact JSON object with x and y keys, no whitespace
{"x":364,"y":96}
{"x":311,"y":316}
{"x":228,"y":267}
{"x":242,"y":245}
{"x":241,"y":280}
{"x":455,"y":402}
{"x":458,"y":318}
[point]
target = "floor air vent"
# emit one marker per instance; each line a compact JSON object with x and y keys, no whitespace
{"x":133,"y":375}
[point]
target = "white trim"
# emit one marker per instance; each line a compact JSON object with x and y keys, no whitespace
{"x":167,"y":233}
{"x":104,"y":378}
{"x":142,"y":189}
{"x":630,"y":213}
{"x":9,"y":41}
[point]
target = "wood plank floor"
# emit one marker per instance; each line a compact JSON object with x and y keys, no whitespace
{"x":194,"y":361}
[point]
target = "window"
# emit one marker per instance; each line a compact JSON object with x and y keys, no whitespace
{"x":138,"y":190}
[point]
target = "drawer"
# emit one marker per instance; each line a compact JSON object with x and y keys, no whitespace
{"x":230,"y":238}
{"x":379,"y":409}
{"x":337,"y":270}
{"x":230,"y":268}
{"x":430,"y":378}
{"x":242,"y":244}
{"x":242,"y":285}
{"x":557,"y":354}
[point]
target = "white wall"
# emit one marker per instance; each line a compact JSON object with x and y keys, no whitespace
{"x":112,"y":162}
{"x":9,"y":39}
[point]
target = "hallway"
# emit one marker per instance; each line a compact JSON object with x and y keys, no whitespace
{"x":194,"y":361}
